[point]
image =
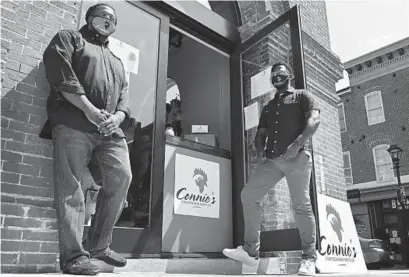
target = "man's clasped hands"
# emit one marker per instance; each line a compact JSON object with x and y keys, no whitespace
{"x":106,"y":122}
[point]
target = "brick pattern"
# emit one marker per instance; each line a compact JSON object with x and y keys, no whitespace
{"x":360,"y":138}
{"x":314,"y":20}
{"x":29,"y":227}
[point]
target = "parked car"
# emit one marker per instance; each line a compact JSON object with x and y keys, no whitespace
{"x":377,"y":253}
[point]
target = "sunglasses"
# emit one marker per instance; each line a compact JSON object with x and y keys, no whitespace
{"x":106,"y":15}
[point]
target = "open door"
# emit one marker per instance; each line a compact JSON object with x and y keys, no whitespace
{"x":141,"y":42}
{"x":284,"y":36}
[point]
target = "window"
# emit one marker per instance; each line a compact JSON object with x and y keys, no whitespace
{"x":374,"y":108}
{"x":383,"y":163}
{"x":348,"y":169}
{"x":341,"y":115}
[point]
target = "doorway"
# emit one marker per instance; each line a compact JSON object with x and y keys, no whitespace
{"x":140,"y":42}
{"x":209,"y":110}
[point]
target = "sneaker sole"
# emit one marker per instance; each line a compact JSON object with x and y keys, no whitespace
{"x":240,"y":260}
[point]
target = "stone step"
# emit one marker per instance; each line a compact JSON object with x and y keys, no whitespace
{"x":276,"y":265}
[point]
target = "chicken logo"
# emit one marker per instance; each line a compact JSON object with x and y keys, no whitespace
{"x":200,"y":178}
{"x":335,"y":221}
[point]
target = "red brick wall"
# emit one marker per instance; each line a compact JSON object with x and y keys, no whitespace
{"x":395,"y":97}
{"x":28,"y":230}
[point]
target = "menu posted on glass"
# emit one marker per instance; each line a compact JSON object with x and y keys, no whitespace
{"x":261,"y":84}
{"x":251,"y":116}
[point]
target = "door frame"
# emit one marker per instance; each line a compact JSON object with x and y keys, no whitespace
{"x":270,"y":240}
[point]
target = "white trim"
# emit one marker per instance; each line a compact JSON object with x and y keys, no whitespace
{"x":366,"y":106}
{"x":350,"y":164}
{"x":375,"y":184}
{"x":200,"y":41}
{"x":345,"y":120}
{"x":379,"y":70}
{"x":379,"y":52}
{"x":378,"y":147}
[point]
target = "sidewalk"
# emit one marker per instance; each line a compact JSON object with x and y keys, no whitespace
{"x":377,"y":273}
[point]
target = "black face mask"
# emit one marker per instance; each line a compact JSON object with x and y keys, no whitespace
{"x":103,"y":22}
{"x":280,"y":80}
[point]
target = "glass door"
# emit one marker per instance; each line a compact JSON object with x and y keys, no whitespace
{"x":141,"y":42}
{"x":279,"y":41}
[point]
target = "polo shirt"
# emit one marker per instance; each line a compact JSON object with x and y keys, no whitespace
{"x":284,"y":119}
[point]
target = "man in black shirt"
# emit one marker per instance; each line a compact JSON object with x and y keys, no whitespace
{"x":287,"y":122}
{"x":88,"y":101}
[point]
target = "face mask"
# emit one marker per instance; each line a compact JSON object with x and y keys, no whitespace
{"x":280,"y":81}
{"x":103,"y":25}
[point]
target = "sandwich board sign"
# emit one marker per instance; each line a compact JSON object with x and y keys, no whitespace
{"x":340,"y":250}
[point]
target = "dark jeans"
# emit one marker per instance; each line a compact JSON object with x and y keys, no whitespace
{"x":73,"y":151}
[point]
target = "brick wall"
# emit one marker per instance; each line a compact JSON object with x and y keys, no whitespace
{"x":360,"y":138}
{"x":28,"y":230}
{"x":314,"y":20}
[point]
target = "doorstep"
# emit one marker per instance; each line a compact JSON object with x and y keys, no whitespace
{"x":275,"y":265}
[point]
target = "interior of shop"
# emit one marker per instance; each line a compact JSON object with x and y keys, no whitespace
{"x":197,"y":110}
{"x":198,"y":93}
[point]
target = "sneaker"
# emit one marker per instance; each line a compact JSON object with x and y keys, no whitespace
{"x":307,"y":268}
{"x":82,"y":267}
{"x":110,"y":257}
{"x":239,"y":254}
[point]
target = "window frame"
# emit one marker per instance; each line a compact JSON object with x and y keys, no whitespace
{"x":374,"y":149}
{"x":345,"y":120}
{"x":367,"y":107}
{"x":350,"y":165}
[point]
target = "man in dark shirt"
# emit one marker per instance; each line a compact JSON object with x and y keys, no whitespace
{"x":88,"y":101}
{"x":287,"y":122}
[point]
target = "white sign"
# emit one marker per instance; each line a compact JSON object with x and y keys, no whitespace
{"x":197,"y":187}
{"x":129,"y":55}
{"x":251,"y":116}
{"x":200,"y":129}
{"x":340,"y":247}
{"x":261,"y":84}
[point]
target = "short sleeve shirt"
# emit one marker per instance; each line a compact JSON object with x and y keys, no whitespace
{"x":284,"y":119}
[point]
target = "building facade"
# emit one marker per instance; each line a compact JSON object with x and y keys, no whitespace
{"x":373,"y":115}
{"x":28,"y":224}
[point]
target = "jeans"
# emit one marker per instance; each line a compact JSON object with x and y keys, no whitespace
{"x":267,"y":174}
{"x":73,"y":151}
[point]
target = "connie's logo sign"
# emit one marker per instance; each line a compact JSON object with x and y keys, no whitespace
{"x":197,"y":187}
{"x":201,"y":198}
{"x":340,"y":249}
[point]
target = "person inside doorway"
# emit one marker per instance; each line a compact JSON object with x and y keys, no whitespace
{"x":88,"y":101}
{"x":286,"y":123}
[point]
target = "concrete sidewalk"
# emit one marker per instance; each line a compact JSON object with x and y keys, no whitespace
{"x":377,"y":273}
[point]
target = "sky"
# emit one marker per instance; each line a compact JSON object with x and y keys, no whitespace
{"x":357,"y":27}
